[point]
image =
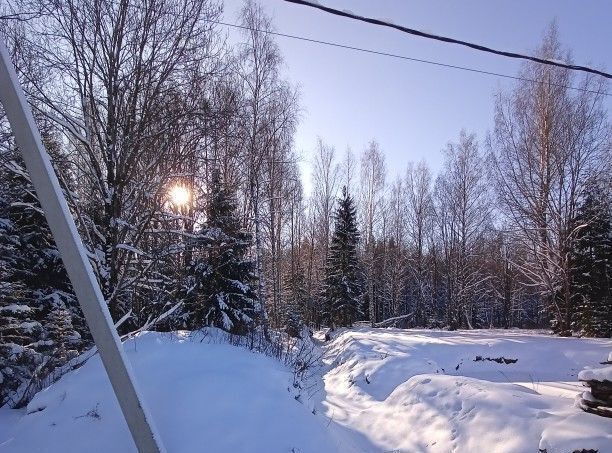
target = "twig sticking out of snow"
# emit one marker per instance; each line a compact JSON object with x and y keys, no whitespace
{"x":93,"y":413}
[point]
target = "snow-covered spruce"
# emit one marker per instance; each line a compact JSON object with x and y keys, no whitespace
{"x":220,"y":288}
{"x":41,"y":325}
{"x":343,"y":275}
{"x":592,"y":257}
{"x":297,"y":301}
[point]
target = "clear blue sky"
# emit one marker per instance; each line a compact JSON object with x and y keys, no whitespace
{"x":413,"y":109}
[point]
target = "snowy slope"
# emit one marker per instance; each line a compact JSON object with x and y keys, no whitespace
{"x":204,"y":397}
{"x":417,"y":391}
{"x":382,"y":390}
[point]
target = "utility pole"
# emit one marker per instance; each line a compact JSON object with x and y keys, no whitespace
{"x":75,"y":260}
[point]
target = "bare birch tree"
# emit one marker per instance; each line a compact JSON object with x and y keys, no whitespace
{"x":547,"y":141}
{"x":463,"y":215}
{"x":373,"y":174}
{"x":419,"y":222}
{"x":268,"y":115}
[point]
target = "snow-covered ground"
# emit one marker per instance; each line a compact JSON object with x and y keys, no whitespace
{"x":419,"y":390}
{"x":203,"y":396}
{"x":379,"y":390}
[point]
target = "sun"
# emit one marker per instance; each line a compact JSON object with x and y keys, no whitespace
{"x":179,"y":195}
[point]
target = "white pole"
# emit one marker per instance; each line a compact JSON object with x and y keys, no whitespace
{"x":75,"y":260}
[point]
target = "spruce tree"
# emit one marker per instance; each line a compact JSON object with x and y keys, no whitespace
{"x":295,"y":295}
{"x":36,"y":298}
{"x":592,"y":256}
{"x":66,"y":340}
{"x":222,"y":291}
{"x":343,"y":276}
{"x":22,"y":337}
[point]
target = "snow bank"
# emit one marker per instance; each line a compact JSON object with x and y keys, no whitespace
{"x":596,"y":374}
{"x":577,"y":432}
{"x":389,"y":357}
{"x":447,"y":413}
{"x":417,"y":391}
{"x":204,"y":397}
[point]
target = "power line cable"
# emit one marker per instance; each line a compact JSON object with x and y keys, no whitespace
{"x":404,"y":57}
{"x":446,"y":39}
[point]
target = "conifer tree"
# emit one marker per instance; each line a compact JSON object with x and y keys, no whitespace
{"x":34,"y":284}
{"x":296,"y":301}
{"x":593,"y":264}
{"x":21,"y":334}
{"x":222,"y":292}
{"x":62,"y":333}
{"x":343,"y":275}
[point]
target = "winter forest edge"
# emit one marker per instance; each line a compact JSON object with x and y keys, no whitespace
{"x":175,"y":153}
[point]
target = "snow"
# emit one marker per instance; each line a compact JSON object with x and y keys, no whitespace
{"x":240,"y":285}
{"x":203,"y":396}
{"x":29,"y":326}
{"x":387,"y":20}
{"x":596,"y":374}
{"x":129,"y":248}
{"x":379,"y":390}
{"x":418,"y":390}
{"x":16,"y":308}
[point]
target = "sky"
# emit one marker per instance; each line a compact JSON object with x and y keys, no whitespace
{"x":412,"y":109}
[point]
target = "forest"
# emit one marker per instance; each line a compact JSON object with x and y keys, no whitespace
{"x":175,"y":150}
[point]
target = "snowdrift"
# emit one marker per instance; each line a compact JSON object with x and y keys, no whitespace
{"x":204,"y":396}
{"x":382,"y":390}
{"x":438,"y":391}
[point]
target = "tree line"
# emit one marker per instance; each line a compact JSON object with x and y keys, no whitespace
{"x":513,"y":231}
{"x":137,"y":101}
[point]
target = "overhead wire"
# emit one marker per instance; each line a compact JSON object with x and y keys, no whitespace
{"x":404,"y":57}
{"x":446,"y":39}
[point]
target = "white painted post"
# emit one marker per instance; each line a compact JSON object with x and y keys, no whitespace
{"x":75,"y":260}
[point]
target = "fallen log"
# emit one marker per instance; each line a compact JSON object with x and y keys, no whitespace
{"x":397,"y":321}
